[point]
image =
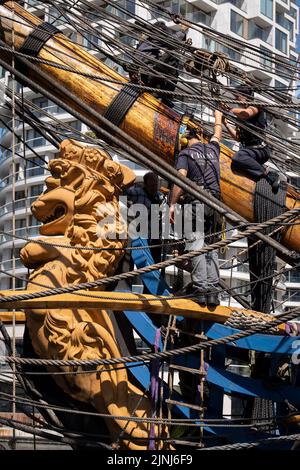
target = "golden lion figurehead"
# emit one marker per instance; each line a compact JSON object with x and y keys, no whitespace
{"x":81,"y":203}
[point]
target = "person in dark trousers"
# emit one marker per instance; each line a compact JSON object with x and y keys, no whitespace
{"x":201,"y":164}
{"x":161,"y":49}
{"x":148,"y":195}
{"x":254,"y":152}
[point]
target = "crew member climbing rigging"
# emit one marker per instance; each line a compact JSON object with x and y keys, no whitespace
{"x":254,"y":152}
{"x":201,"y":163}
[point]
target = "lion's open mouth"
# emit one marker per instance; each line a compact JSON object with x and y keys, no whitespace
{"x":59,"y":213}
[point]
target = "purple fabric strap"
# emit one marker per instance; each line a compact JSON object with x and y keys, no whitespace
{"x":154,"y":388}
{"x":292,"y":329}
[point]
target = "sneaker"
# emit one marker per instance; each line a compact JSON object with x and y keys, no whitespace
{"x":273,"y":179}
{"x":200,"y":298}
{"x":212,"y":299}
{"x":199,"y":295}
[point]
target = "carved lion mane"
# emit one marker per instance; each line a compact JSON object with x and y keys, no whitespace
{"x":97,"y":184}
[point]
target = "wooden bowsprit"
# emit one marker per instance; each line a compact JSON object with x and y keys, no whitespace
{"x":120,"y":301}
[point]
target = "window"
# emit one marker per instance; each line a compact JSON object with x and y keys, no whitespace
{"x":13,"y":83}
{"x":33,"y":222}
{"x":266,"y":58}
{"x":208,"y":43}
{"x":281,"y":41}
{"x":293,"y":12}
{"x":35,"y":167}
{"x":290,"y":27}
{"x":281,"y":69}
{"x":19,"y":195}
{"x":257,"y":32}
{"x":126,"y":39}
{"x":266,"y":8}
{"x":295,"y":182}
{"x":20,"y":223}
{"x":75,"y":125}
{"x":18,"y":174}
{"x":243,"y":289}
{"x":36,"y":190}
{"x":128,"y":5}
{"x":294,"y":276}
{"x":188,"y":11}
{"x":292,"y":295}
{"x":294,"y":66}
{"x":91,"y":40}
{"x":19,"y":201}
{"x":237,"y":23}
{"x":281,"y":19}
{"x":34,"y":162}
{"x":34,"y":138}
{"x":19,"y":283}
{"x":35,"y":171}
{"x":232,"y":53}
{"x":72,"y":36}
{"x":41,"y":103}
{"x":280,"y":87}
{"x":55,"y":17}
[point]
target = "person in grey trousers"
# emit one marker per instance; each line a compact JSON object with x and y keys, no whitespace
{"x":201,"y":164}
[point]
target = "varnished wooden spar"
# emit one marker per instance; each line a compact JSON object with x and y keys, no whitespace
{"x":122,"y":301}
{"x":7,"y":317}
{"x":148,"y":121}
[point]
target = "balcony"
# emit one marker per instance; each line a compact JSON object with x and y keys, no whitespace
{"x":34,"y":143}
{"x":8,"y":153}
{"x":283,"y":5}
{"x":197,"y":11}
{"x":51,"y":109}
{"x":262,"y":12}
{"x":293,"y":277}
{"x":9,"y":264}
{"x":266,"y":60}
{"x":21,"y":176}
{"x":25,"y":232}
{"x":256,"y":31}
{"x":19,"y":204}
{"x":208,"y":6}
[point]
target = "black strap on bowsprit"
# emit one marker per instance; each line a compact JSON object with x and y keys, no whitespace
{"x":37,"y":38}
{"x":121,"y":104}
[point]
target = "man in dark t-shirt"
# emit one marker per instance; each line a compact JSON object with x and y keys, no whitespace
{"x":254,"y":152}
{"x":201,"y":164}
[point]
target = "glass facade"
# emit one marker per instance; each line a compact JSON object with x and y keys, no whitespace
{"x":237,"y":23}
{"x":281,"y":41}
{"x":266,"y":58}
{"x":257,"y":32}
{"x":266,"y":8}
{"x":34,"y":138}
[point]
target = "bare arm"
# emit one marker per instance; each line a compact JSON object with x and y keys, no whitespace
{"x":217,"y":137}
{"x":176,"y":193}
{"x":245,"y":113}
{"x":232,"y":130}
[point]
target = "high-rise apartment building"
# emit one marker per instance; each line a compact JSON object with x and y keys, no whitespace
{"x":271,"y":25}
